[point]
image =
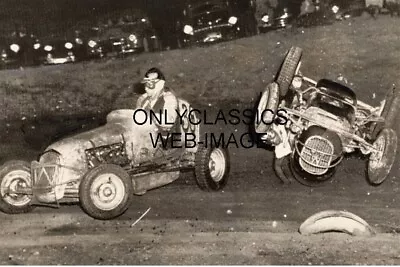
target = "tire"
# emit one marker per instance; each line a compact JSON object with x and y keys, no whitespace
{"x":269,"y":100}
{"x":98,"y":208}
{"x":304,"y":177}
{"x":206,"y":159}
{"x":11,"y":171}
{"x":389,"y":113}
{"x":380,"y":164}
{"x":288,"y":69}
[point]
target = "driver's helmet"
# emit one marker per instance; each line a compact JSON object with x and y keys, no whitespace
{"x":153,"y":74}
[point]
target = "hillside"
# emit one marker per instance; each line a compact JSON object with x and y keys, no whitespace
{"x":365,"y":51}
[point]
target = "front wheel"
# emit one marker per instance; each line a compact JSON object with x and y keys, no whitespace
{"x":212,"y":168}
{"x":381,"y":161}
{"x":15,"y":176}
{"x":289,"y":68}
{"x":105,"y":192}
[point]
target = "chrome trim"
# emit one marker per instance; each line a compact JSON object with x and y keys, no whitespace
{"x":213,"y":27}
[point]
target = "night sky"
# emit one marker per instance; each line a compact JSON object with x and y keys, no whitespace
{"x":41,"y":15}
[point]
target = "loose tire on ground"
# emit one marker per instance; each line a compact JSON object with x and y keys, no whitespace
{"x":288,"y":69}
{"x":380,"y":163}
{"x":12,"y":174}
{"x":212,"y":168}
{"x":105,"y":192}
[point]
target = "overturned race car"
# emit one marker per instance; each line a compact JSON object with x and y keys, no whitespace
{"x":325,"y":121}
{"x":102,"y":169}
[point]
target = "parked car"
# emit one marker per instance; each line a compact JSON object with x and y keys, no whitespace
{"x":126,"y":38}
{"x":89,"y":40}
{"x":103,"y":168}
{"x":206,"y":22}
{"x":56,"y":50}
{"x":325,"y":122}
{"x":17,"y":51}
{"x":278,"y":18}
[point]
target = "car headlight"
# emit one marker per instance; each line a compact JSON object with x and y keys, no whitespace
{"x":132,"y":38}
{"x":232,"y":20}
{"x":92,"y":43}
{"x":78,"y":41}
{"x":188,"y":29}
{"x":15,"y":48}
{"x":284,"y":16}
{"x":265,"y":18}
{"x":335,"y":9}
{"x":36,"y":46}
{"x":48,"y":48}
{"x":68,"y":45}
{"x":143,"y":20}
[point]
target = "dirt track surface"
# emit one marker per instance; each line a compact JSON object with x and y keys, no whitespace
{"x":255,"y":219}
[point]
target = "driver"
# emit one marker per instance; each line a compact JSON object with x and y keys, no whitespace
{"x":161,"y":100}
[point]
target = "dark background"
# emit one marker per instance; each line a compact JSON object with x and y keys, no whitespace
{"x":40,"y":15}
{"x":45,"y":17}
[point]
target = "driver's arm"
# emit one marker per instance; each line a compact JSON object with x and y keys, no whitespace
{"x":141,"y":101}
{"x":170,"y":115}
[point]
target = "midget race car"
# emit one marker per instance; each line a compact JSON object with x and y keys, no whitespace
{"x":102,"y":169}
{"x":325,"y":122}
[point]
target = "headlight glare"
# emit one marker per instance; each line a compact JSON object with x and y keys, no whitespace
{"x":188,"y":29}
{"x":132,"y":38}
{"x":232,"y":20}
{"x":92,"y":43}
{"x":48,"y":48}
{"x":68,"y":45}
{"x":265,"y":18}
{"x":15,"y":48}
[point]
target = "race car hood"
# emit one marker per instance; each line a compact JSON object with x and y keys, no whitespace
{"x":107,"y":134}
{"x":118,"y":128}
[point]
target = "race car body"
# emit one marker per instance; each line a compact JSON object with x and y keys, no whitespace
{"x":326,"y":121}
{"x":104,"y":167}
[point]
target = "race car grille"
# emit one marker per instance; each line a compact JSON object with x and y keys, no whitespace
{"x":45,"y":172}
{"x":208,"y":28}
{"x":316,"y":155}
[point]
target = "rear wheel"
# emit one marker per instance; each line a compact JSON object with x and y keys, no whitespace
{"x":212,"y":168}
{"x":381,"y":161}
{"x":14,"y":175}
{"x":289,"y":69}
{"x":105,"y":192}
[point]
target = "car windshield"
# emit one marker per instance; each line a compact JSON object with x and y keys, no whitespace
{"x":206,"y":8}
{"x":91,"y":32}
{"x":206,"y":19}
